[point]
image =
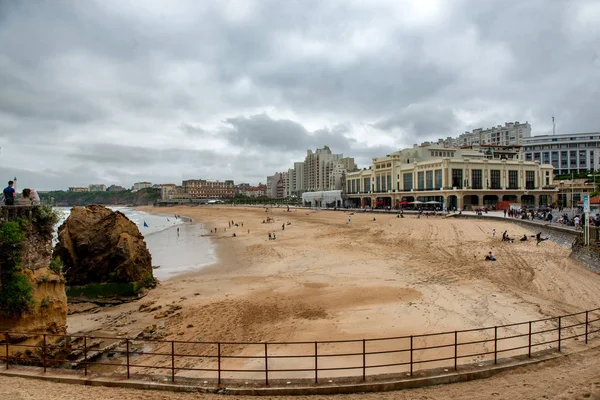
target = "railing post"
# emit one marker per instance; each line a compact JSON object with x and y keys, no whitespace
{"x":316,"y":364}
{"x":455,"y":350}
{"x":219,"y":362}
{"x":85,"y":364}
{"x":495,"y":345}
{"x":586,"y":326}
{"x":559,"y":327}
{"x":529,"y":346}
{"x":411,"y":355}
{"x":364,"y":359}
{"x":6,"y":337}
{"x":172,"y":361}
{"x":44,"y":352}
{"x":266,"y":366}
{"x":127,"y":355}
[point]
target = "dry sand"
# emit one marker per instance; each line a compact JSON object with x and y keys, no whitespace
{"x":325,"y":279}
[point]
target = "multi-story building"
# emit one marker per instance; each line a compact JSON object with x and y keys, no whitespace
{"x":276,"y":185}
{"x":141,"y":185}
{"x":568,"y":153}
{"x":298,"y":179}
{"x":209,"y":189}
{"x":166,"y":190}
{"x":451,"y":177}
{"x":257,"y":191}
{"x":349,"y":164}
{"x":241,"y":188}
{"x":78,"y":189}
{"x":512,"y":133}
{"x":317,"y":167}
{"x":98,"y":187}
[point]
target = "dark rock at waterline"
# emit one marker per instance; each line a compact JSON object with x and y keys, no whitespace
{"x":98,"y":245}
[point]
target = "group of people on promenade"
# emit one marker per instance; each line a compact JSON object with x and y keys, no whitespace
{"x":28,"y":196}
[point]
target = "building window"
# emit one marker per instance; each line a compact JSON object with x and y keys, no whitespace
{"x":528,"y":157}
{"x":367,"y":182}
{"x":457,"y":178}
{"x":421,"y":180}
{"x":536,"y":157}
{"x":438,"y":178}
{"x":476,"y":179}
{"x":389,"y":182}
{"x":546,"y":158}
{"x":529,"y":179}
{"x":378,"y":186}
{"x":429,"y":179}
{"x":408,"y":181}
{"x":513,"y":179}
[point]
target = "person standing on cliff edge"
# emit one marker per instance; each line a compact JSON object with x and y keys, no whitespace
{"x":9,"y":194}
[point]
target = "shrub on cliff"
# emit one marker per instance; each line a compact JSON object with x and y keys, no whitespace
{"x":15,"y":290}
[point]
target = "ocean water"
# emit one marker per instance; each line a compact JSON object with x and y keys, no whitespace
{"x":173,"y":252}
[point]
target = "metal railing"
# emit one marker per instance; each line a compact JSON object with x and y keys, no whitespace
{"x":265,"y":362}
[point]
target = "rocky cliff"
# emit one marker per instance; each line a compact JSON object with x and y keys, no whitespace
{"x":32,"y":288}
{"x":101,"y":246}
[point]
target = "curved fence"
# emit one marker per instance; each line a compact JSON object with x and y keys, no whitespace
{"x":265,"y":363}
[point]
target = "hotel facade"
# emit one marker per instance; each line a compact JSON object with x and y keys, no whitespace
{"x":568,"y":153}
{"x":465,"y":178}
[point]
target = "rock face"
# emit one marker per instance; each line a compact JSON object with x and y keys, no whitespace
{"x":98,"y":245}
{"x":28,"y":273}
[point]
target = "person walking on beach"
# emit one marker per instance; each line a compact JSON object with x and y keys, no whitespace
{"x":283,"y":226}
{"x":177,"y":231}
{"x":493,"y":233}
{"x":9,"y":194}
{"x":270,"y":236}
{"x":505,"y":213}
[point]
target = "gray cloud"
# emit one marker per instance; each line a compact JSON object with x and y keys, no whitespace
{"x":112,"y":90}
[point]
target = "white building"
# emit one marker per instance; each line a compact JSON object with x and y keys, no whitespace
{"x":327,"y":198}
{"x":573,"y":152}
{"x":141,"y":185}
{"x":512,"y":133}
{"x":452,"y":177}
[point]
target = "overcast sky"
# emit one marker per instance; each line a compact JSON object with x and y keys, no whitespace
{"x":117,"y":91}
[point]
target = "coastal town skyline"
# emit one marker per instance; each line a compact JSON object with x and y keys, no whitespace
{"x":115,"y":93}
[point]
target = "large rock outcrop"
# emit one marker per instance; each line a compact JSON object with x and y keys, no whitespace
{"x":101,"y":246}
{"x":32,"y":287}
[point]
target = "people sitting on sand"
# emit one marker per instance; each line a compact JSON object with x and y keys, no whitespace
{"x":374,"y":219}
{"x":233,"y":234}
{"x":270,"y":238}
{"x":524,"y":238}
{"x":490,"y":257}
{"x":274,"y":237}
{"x":506,"y":238}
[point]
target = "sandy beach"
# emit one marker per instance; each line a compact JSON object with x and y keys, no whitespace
{"x":325,"y":278}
